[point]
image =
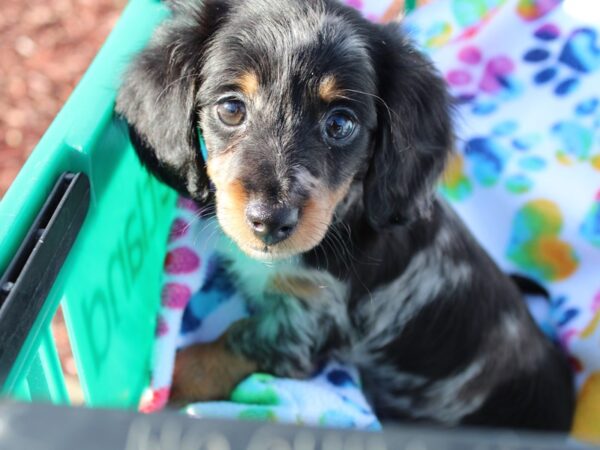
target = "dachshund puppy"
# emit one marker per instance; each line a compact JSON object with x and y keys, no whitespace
{"x":325,"y":136}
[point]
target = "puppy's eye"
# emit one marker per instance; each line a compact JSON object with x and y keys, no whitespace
{"x":339,"y":125}
{"x":231,"y":112}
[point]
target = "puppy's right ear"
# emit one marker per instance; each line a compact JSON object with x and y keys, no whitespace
{"x":158,"y":96}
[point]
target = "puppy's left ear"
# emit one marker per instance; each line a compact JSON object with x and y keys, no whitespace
{"x":414,"y":136}
{"x":158,"y":95}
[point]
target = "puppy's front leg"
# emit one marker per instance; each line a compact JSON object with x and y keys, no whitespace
{"x":207,"y":371}
{"x":301,"y":313}
{"x":285,"y":337}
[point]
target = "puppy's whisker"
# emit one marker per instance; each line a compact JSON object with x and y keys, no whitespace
{"x":358,"y":253}
{"x":189,"y":224}
{"x":325,"y":243}
{"x":378,"y":98}
{"x":346,"y":255}
{"x":355,"y":100}
{"x":206,"y":211}
{"x":338,"y":252}
{"x":211,"y":235}
{"x":351,"y":264}
{"x":319,"y":250}
{"x":359,"y":256}
{"x":196,"y":217}
{"x":205,"y":227}
{"x":331,"y":241}
{"x":169,"y":85}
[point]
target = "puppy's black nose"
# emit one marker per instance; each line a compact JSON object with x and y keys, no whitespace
{"x":271,"y":224}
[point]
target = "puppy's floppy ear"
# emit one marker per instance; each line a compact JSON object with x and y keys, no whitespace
{"x":158,"y":96}
{"x":414,"y":135}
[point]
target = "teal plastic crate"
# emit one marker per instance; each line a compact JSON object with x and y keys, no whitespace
{"x":109,"y":283}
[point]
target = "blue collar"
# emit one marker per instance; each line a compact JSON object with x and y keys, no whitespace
{"x":203,"y":149}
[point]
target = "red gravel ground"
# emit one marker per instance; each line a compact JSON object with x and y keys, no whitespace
{"x":45,"y":47}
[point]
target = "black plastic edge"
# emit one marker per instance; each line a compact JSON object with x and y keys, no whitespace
{"x":31,"y":273}
{"x":39,"y":426}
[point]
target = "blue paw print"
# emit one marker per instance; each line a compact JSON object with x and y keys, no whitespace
{"x":579,"y":54}
{"x":218,"y":279}
{"x":339,"y":377}
{"x":562,"y":313}
{"x":488,"y":157}
{"x":217,"y":289}
{"x":559,"y":316}
{"x":189,"y":321}
{"x":577,"y":135}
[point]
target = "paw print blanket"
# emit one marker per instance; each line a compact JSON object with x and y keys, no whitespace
{"x":526,"y":180}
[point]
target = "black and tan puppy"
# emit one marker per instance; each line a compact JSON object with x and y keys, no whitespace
{"x":325,"y":136}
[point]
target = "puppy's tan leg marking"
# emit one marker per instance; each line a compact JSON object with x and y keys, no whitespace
{"x":208,"y":371}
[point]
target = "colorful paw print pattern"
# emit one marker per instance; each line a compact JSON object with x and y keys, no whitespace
{"x":578,"y":55}
{"x":531,"y":10}
{"x":577,"y":138}
{"x":469,"y":13}
{"x":593,"y":327}
{"x":483,"y":82}
{"x":527,"y":175}
{"x":489,"y":154}
{"x":590,"y":229}
{"x":455,"y":184}
{"x":217,"y":289}
{"x":452,"y":21}
{"x":381,"y":11}
{"x":332,"y":398}
{"x":183,"y":271}
{"x":484,"y":160}
{"x":536,"y":246}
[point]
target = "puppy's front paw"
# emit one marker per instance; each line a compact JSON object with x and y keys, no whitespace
{"x":207,"y":371}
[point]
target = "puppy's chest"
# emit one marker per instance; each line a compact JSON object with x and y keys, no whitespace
{"x":291,"y":292}
{"x":254,"y":279}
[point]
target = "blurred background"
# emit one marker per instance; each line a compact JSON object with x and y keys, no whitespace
{"x":45,"y":47}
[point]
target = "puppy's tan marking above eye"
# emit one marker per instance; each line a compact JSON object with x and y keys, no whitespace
{"x":329,"y":89}
{"x":248,"y":84}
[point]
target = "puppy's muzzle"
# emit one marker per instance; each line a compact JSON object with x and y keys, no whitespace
{"x":271,"y":223}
